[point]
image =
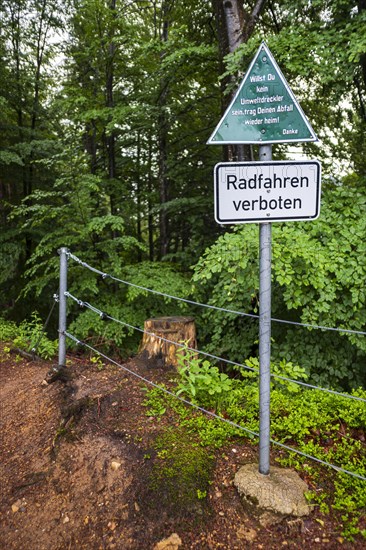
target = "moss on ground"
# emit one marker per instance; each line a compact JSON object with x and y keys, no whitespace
{"x":182,"y":471}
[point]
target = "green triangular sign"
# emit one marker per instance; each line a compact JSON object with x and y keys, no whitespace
{"x":264,"y":109}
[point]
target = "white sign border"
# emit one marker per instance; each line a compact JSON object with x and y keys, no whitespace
{"x":266,"y":163}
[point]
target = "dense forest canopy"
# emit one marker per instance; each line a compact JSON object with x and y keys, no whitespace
{"x":106,"y":107}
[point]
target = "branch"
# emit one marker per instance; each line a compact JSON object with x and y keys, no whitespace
{"x":248,"y":28}
{"x":29,"y":356}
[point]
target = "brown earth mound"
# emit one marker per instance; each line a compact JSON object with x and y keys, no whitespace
{"x":77,"y":470}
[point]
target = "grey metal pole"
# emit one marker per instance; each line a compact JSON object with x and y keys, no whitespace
{"x":62,"y":308}
{"x":265,"y":253}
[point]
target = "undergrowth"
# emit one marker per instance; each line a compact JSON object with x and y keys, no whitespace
{"x":326,"y":426}
{"x":28,"y":336}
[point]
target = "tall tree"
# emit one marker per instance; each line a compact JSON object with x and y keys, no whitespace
{"x":163,"y":123}
{"x":235,"y":24}
{"x":27,"y":137}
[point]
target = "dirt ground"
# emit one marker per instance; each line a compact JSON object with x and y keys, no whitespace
{"x":76,"y":462}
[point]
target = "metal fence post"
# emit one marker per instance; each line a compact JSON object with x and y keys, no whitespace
{"x":62,"y":308}
{"x":265,"y":243}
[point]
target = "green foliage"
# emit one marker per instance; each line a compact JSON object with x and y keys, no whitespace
{"x":154,"y":402}
{"x":330,"y":428}
{"x":157,"y":400}
{"x":282,"y":373}
{"x":82,"y":159}
{"x":318,"y":275}
{"x":323,"y":425}
{"x":227,"y":277}
{"x":326,"y":426}
{"x":212,"y":433}
{"x":200,"y":381}
{"x":128,"y":304}
{"x":29,"y":336}
{"x":8,"y":330}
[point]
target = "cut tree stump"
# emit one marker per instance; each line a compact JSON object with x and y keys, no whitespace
{"x":175,"y":329}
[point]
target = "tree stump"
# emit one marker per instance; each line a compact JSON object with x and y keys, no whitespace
{"x":175,"y":329}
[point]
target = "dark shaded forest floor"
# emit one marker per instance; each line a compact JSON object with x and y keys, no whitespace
{"x":76,"y":464}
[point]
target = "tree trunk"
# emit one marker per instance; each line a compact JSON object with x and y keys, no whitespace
{"x":362,"y":8}
{"x":235,"y":27}
{"x":138,"y":196}
{"x":150,"y":221}
{"x":110,"y":139}
{"x":160,"y":334}
{"x":163,"y":125}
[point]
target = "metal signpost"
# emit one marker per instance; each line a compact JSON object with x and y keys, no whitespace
{"x":62,"y":308}
{"x":265,"y":257}
{"x":265,"y":111}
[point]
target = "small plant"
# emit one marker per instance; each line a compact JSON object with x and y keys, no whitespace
{"x":155,"y":402}
{"x":163,"y":454}
{"x":97,"y":361}
{"x":29,"y":336}
{"x":8,"y":330}
{"x":202,"y":383}
{"x":279,"y":371}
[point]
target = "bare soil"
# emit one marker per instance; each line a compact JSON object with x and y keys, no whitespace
{"x":76,"y":463}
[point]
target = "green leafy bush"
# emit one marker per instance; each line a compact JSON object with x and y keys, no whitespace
{"x":8,"y":330}
{"x":282,"y":373}
{"x":202,"y":383}
{"x":29,"y":336}
{"x":324,"y":425}
{"x":131,"y":305}
{"x":318,"y":274}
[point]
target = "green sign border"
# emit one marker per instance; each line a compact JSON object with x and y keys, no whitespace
{"x":249,"y":139}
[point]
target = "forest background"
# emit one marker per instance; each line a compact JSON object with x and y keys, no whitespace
{"x":106,"y":107}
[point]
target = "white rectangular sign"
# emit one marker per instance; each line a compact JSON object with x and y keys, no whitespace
{"x":247,"y":192}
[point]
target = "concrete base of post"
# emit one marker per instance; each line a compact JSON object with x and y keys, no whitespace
{"x":272,"y":497}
